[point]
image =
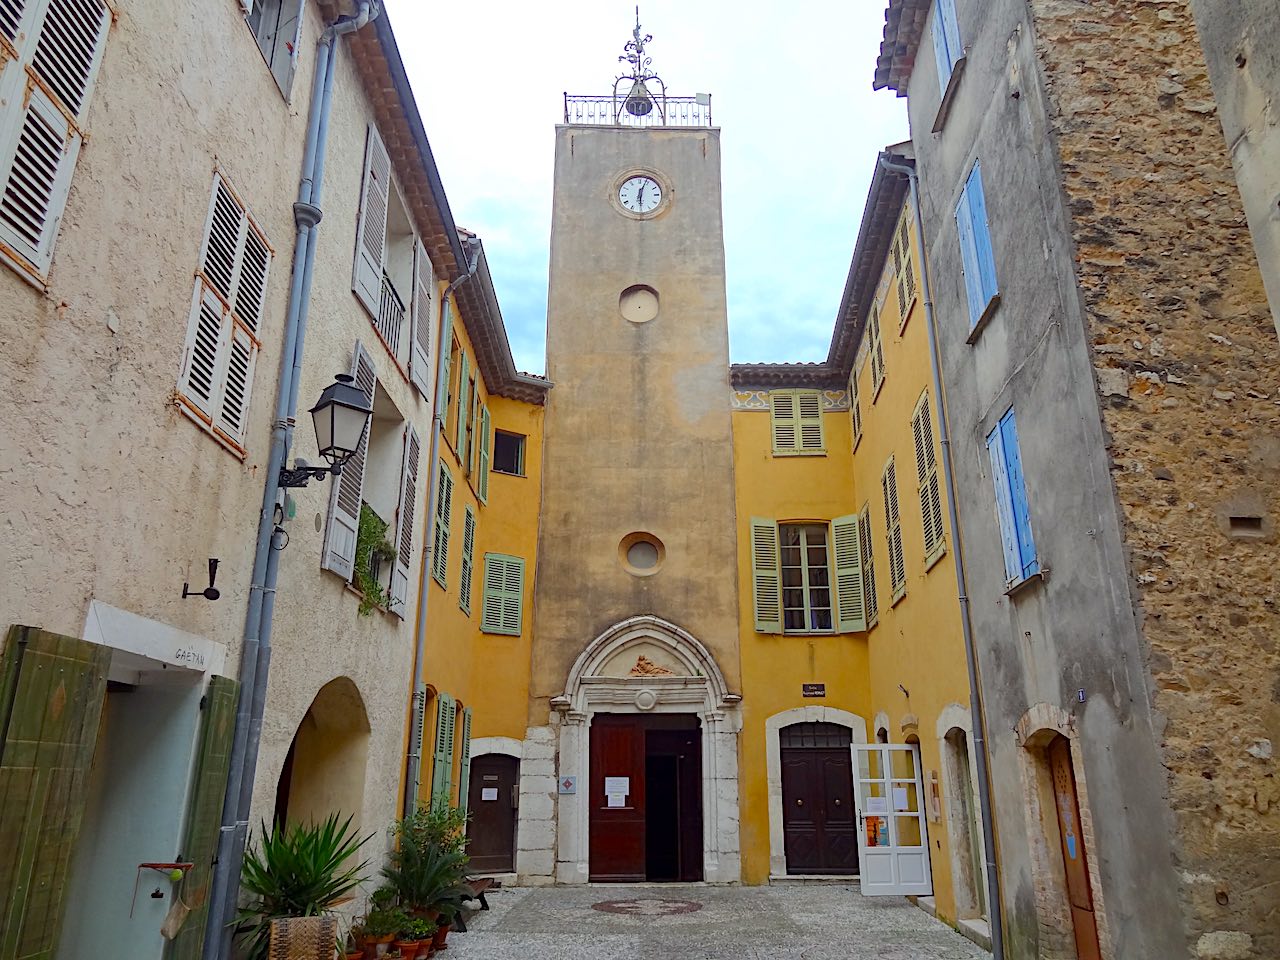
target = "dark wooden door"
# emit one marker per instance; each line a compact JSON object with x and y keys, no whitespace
{"x":617,"y":845}
{"x":1075,"y":859}
{"x":492,"y":798}
{"x":819,"y":824}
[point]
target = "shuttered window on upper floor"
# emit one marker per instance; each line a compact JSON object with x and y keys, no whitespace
{"x":1013,"y":511}
{"x":800,"y":584}
{"x":796,"y":420}
{"x":51,"y":50}
{"x":503,"y":595}
{"x":893,"y":531}
{"x":947,"y":49}
{"x":855,"y":407}
{"x":930,"y":485}
{"x":223,"y":326}
{"x":870,"y":602}
{"x":277,"y":27}
{"x":440,"y":527}
{"x":875,"y":352}
{"x":904,"y":270}
{"x":468,"y":559}
{"x":976,"y":253}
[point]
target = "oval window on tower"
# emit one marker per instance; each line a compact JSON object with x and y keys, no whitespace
{"x":641,"y":554}
{"x":639,"y":303}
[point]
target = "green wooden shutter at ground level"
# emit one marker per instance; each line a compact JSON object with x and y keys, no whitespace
{"x":765,"y":579}
{"x":848,"y":557}
{"x":51,"y":694}
{"x":204,"y":814}
{"x":464,"y":766}
{"x":442,"y":754}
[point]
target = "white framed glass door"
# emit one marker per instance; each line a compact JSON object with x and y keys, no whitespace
{"x":893,"y":841}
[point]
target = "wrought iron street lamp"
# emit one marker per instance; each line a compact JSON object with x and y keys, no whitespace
{"x":340,"y":416}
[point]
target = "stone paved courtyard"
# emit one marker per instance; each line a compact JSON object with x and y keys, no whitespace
{"x":622,"y":922}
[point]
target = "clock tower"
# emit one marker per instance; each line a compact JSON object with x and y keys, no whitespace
{"x":635,"y":664}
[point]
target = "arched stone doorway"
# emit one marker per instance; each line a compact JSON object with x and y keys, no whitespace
{"x":660,"y":676}
{"x":324,"y":770}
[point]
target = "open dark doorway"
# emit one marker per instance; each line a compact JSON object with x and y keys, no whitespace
{"x":673,"y":817}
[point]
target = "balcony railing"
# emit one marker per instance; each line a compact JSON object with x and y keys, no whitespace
{"x":390,"y":315}
{"x":611,"y":111}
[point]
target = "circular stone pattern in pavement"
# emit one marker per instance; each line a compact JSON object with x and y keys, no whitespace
{"x":647,"y":907}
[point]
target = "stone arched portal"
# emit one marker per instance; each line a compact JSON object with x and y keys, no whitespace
{"x":324,"y":770}
{"x":646,"y":665}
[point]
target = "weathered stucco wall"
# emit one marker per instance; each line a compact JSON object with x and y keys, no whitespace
{"x":1241,"y":44}
{"x":637,"y":434}
{"x":1185,"y":359}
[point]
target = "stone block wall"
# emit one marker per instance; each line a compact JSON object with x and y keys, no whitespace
{"x":1188,"y":371}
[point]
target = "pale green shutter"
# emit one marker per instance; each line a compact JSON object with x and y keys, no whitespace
{"x":464,"y":409}
{"x":848,"y":557}
{"x":782,"y":416}
{"x":503,"y":595}
{"x":765,"y":578}
{"x":446,"y":361}
{"x":440,"y":540}
{"x":809,"y":421}
{"x":468,"y":554}
{"x":442,"y":754}
{"x":464,"y":767}
{"x":482,"y":481}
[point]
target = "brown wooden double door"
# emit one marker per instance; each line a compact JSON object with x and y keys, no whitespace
{"x":645,"y":798}
{"x":819,"y":822}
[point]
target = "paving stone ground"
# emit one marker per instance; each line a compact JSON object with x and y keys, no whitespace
{"x":678,"y":922}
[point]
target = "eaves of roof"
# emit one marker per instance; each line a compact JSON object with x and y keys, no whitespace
{"x":903,"y":28}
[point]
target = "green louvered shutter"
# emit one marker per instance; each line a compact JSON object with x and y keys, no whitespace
{"x":443,"y":753}
{"x":848,"y":557}
{"x":51,"y":693}
{"x":464,"y":409}
{"x":503,"y":595}
{"x":482,"y":481}
{"x":765,"y":579}
{"x":204,"y":814}
{"x":440,"y":535}
{"x":464,"y":767}
{"x":468,"y":559}
{"x":808,"y":410}
{"x":783,"y":421}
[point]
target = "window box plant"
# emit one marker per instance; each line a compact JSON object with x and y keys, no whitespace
{"x":372,"y":551}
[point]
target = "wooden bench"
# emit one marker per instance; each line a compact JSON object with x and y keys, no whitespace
{"x":479,"y":887}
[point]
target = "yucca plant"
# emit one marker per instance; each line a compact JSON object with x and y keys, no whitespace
{"x":426,"y":876}
{"x":296,"y":871}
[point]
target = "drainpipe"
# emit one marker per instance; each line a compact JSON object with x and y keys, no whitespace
{"x":966,"y":621}
{"x":255,"y":651}
{"x":413,"y":767}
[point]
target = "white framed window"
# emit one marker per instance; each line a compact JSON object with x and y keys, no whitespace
{"x":277,"y":27}
{"x":51,"y":51}
{"x":227,"y":305}
{"x":392,"y":275}
{"x":807,"y":578}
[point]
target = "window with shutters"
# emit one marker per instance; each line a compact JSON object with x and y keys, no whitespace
{"x":855,"y":407}
{"x":50,"y":51}
{"x":875,"y":352}
{"x":930,"y":485}
{"x":503,"y":600}
{"x":508,"y":453}
{"x":1012,"y":507}
{"x":904,"y":271}
{"x":808,"y":578}
{"x":870,"y":602}
{"x":227,"y":307}
{"x":393,"y":276}
{"x":893,"y":532}
{"x":976,"y":254}
{"x":796,"y":421}
{"x":382,"y":476}
{"x":442,"y":752}
{"x":947,"y":49}
{"x":468,"y":554}
{"x":440,"y":527}
{"x":483,"y":451}
{"x":277,"y":27}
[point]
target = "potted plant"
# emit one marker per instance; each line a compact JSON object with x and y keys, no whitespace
{"x":382,"y":922}
{"x":372,"y":551}
{"x":428,"y":867}
{"x":301,"y":870}
{"x":352,"y":949}
{"x":415,"y":938}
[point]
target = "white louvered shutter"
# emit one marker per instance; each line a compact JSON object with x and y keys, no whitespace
{"x":468,"y":559}
{"x":484,"y":456}
{"x":765,"y":575}
{"x":848,"y":557}
{"x":809,"y":420}
{"x":782,"y":413}
{"x":405,"y":522}
{"x":503,"y":595}
{"x":464,"y":765}
{"x":348,"y":487}
{"x":60,"y":42}
{"x":440,"y":532}
{"x":371,"y":231}
{"x":420,"y":349}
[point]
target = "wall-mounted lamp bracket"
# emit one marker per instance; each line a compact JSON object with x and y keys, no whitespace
{"x":210,"y":592}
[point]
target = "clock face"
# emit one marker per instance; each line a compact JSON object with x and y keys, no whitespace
{"x":640,"y":194}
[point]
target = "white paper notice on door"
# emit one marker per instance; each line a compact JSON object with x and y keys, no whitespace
{"x":618,"y":785}
{"x":488,"y":793}
{"x":877,"y":805}
{"x":900,"y":800}
{"x":616,"y":800}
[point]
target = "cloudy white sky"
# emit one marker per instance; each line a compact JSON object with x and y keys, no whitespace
{"x":791,"y":90}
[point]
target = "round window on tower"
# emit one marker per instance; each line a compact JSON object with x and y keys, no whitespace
{"x":641,"y":554}
{"x":638,"y":303}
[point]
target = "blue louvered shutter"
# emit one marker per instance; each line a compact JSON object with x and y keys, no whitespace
{"x":1028,"y":564}
{"x":969,"y":257}
{"x":945,"y":34}
{"x":986,"y":260}
{"x":1004,"y":505}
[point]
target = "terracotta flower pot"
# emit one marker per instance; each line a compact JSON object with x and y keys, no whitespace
{"x":371,"y":945}
{"x":409,"y":949}
{"x":437,"y":941}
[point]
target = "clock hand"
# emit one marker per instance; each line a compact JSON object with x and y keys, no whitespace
{"x":640,"y":195}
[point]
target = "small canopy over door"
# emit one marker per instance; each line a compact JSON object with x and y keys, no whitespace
{"x":893,"y":842}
